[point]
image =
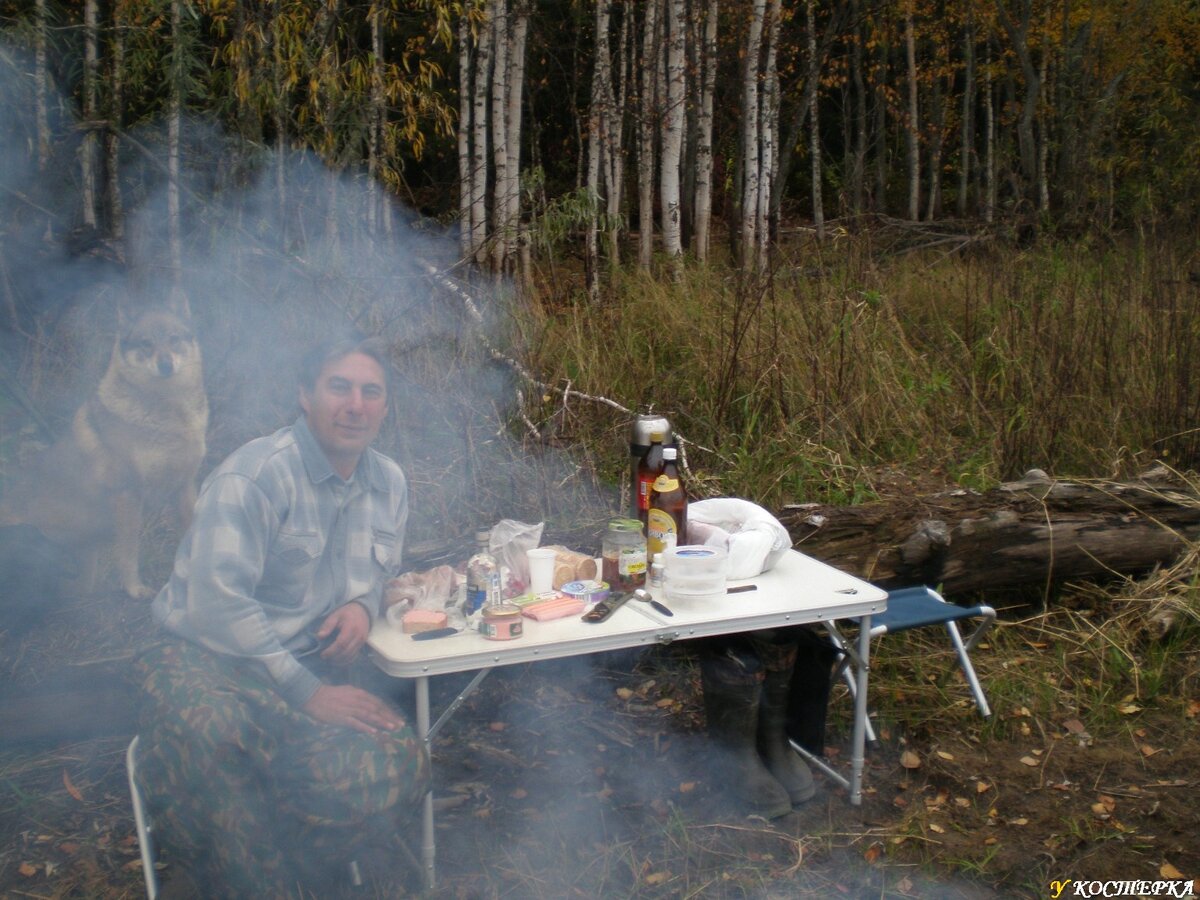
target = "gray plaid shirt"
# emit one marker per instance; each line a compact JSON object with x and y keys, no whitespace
{"x":278,"y":542}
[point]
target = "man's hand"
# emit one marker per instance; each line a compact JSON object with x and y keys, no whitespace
{"x":352,"y":707}
{"x":351,"y":623}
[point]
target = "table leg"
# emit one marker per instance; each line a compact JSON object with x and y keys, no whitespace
{"x":427,"y":839}
{"x":858,"y":740}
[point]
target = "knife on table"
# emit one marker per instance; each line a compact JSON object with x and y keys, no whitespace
{"x":436,"y":633}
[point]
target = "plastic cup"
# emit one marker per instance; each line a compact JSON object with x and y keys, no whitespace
{"x":541,"y":569}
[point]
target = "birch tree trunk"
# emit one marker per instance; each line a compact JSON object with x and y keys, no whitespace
{"x":704,"y":133}
{"x":596,"y":148}
{"x":967,"y":140}
{"x":936,"y":142}
{"x":479,"y":149}
{"x":466,"y":171}
{"x":912,"y":143}
{"x":814,"y":125}
{"x":769,"y":137}
{"x":615,"y":142}
{"x":87,"y":150}
{"x":500,"y":66}
{"x":378,"y":116}
{"x":672,"y":131}
{"x":519,"y":32}
{"x":174,"y":137}
{"x":112,"y":142}
{"x":647,"y":120}
{"x":40,"y":86}
{"x":750,"y":134}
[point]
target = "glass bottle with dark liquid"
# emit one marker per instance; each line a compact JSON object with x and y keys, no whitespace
{"x":667,"y":514}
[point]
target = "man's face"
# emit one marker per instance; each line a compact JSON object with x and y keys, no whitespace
{"x":346,"y":408}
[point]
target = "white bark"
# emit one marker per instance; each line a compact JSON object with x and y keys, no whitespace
{"x":750,"y":133}
{"x":647,"y":119}
{"x":87,"y":150}
{"x":479,"y":149}
{"x":519,"y":33}
{"x":672,"y":131}
{"x":500,"y":48}
{"x":466,"y":172}
{"x":814,"y":122}
{"x":615,"y":141}
{"x":596,"y":148}
{"x":41,"y":74}
{"x":768,"y":136}
{"x":704,"y":133}
{"x":174,"y":137}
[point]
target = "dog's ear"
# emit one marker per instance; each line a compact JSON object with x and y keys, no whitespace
{"x":177,"y":303}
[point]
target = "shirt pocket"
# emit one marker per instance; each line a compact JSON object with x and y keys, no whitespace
{"x":291,"y":566}
{"x":383,"y":551}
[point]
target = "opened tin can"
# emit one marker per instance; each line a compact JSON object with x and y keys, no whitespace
{"x":501,"y":622}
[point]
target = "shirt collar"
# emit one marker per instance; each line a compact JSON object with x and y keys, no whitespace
{"x":316,"y":463}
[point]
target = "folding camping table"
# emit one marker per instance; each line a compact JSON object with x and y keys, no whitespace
{"x":796,"y":591}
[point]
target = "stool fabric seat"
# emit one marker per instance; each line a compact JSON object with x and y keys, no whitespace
{"x":921,"y":607}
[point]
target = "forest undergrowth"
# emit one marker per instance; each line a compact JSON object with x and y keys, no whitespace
{"x":853,"y":371}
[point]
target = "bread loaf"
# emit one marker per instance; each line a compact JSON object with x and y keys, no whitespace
{"x":570,"y":565}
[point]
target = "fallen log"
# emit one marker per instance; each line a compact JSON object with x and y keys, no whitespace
{"x":1036,"y":533}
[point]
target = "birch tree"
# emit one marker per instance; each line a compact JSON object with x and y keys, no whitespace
{"x":479,"y":135}
{"x":87,"y":150}
{"x":647,"y":119}
{"x":750,"y":138}
{"x":499,"y":131}
{"x":814,"y":122}
{"x":704,"y":133}
{"x":672,"y":130}
{"x":967,"y":116}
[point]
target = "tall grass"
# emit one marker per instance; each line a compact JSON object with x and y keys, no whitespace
{"x":978,"y":366}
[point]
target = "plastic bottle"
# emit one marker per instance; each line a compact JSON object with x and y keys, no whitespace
{"x":649,"y":467}
{"x":666,"y":518}
{"x":483,"y":577}
{"x":655,"y":579}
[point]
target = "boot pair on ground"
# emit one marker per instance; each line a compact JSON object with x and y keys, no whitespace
{"x":748,"y":719}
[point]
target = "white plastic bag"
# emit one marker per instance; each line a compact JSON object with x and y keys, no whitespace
{"x":509,"y":541}
{"x":754,"y":539}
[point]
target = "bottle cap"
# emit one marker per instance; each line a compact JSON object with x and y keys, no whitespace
{"x":670,"y":453}
{"x":483,"y":535}
{"x":656,"y":437}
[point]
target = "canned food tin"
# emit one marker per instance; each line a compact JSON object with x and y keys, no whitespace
{"x":501,"y":622}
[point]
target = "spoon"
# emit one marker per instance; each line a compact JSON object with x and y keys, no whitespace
{"x":644,"y":595}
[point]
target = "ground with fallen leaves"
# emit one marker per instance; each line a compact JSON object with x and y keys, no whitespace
{"x":594,"y":778}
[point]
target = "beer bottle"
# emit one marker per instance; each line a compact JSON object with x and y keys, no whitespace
{"x":667,"y":514}
{"x":649,"y":468}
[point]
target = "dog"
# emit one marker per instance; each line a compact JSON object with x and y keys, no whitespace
{"x":141,"y":435}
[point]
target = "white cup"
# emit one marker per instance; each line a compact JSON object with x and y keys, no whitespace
{"x":541,"y":569}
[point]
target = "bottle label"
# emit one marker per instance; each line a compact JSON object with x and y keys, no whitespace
{"x":659,"y":524}
{"x":632,"y":562}
{"x":664,"y":484}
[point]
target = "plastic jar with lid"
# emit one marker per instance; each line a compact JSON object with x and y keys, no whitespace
{"x":624,"y":555}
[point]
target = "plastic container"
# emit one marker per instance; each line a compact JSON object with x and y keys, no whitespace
{"x":695,"y":573}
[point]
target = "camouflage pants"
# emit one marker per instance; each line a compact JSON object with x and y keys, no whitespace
{"x":251,"y":795}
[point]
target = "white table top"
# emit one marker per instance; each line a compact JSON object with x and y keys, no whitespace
{"x":798,"y":590}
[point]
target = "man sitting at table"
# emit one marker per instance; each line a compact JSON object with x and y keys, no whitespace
{"x":257,"y":759}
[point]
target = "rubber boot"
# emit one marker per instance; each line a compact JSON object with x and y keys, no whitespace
{"x":732,"y":710}
{"x":784,"y":763}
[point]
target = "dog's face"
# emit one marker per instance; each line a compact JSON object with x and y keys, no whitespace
{"x":158,"y":344}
